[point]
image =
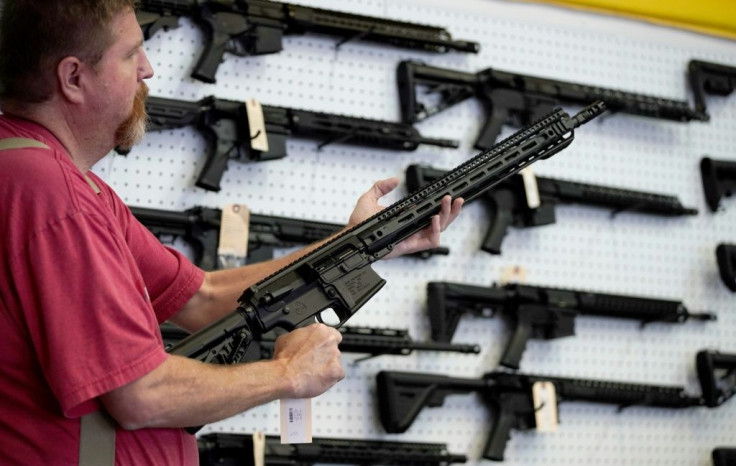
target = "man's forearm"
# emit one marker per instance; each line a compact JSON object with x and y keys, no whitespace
{"x":183,"y":392}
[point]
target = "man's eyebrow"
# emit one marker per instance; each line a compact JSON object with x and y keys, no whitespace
{"x":137,"y":45}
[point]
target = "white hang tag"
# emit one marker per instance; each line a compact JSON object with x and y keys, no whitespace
{"x":259,"y":448}
{"x":513,"y":274}
{"x":544,"y":396}
{"x":530,"y":188}
{"x":232,"y":249}
{"x":256,"y":125}
{"x":296,"y":420}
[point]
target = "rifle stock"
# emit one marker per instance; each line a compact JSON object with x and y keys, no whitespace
{"x":709,"y":78}
{"x":726,"y":259}
{"x":717,"y":389}
{"x":723,"y":456}
{"x":719,"y":180}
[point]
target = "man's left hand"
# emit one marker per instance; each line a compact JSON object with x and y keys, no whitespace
{"x":427,"y":238}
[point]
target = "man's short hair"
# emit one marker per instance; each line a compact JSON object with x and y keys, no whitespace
{"x":35,"y":35}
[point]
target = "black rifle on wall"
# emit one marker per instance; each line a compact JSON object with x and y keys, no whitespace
{"x":221,"y":449}
{"x":726,"y":258}
{"x":510,"y":201}
{"x":540,"y":312}
{"x":402,"y":395}
{"x":365,"y":340}
{"x":225,"y":125}
{"x":515,"y":99}
{"x":719,"y":180}
{"x":338,"y":276}
{"x":199,"y":227}
{"x":257,"y":27}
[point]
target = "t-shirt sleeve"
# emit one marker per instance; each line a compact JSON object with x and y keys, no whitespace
{"x":88,"y":313}
{"x":170,"y":277}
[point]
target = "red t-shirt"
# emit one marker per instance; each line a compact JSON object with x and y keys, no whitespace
{"x":83,"y":288}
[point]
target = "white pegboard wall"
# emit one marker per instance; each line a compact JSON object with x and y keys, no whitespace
{"x":586,"y":249}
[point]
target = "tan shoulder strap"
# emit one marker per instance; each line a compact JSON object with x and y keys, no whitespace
{"x":97,"y":440}
{"x":26,"y":143}
{"x":97,"y":430}
{"x":21,"y":143}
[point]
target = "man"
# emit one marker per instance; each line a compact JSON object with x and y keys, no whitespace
{"x":83,"y":286}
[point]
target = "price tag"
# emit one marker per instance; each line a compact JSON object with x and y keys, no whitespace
{"x":545,"y":406}
{"x":296,"y":420}
{"x":256,"y":125}
{"x":259,"y":448}
{"x":232,"y":248}
{"x":513,"y":274}
{"x":530,"y":188}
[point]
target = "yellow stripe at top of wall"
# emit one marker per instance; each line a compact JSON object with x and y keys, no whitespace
{"x":715,"y":17}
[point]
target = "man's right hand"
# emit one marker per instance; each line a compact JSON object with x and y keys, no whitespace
{"x":311,"y":359}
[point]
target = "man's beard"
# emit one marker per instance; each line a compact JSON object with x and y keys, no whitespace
{"x":132,"y":130}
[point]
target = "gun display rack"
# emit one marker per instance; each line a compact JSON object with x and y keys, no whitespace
{"x":586,"y":249}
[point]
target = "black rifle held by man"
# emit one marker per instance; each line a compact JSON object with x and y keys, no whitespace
{"x":520,"y":203}
{"x":257,"y":27}
{"x":229,"y":132}
{"x":199,"y":227}
{"x":338,"y":276}
{"x":540,"y":312}
{"x":364,"y":340}
{"x":516,"y":99}
{"x":222,"y":449}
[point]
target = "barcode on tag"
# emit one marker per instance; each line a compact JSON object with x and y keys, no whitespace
{"x":296,"y":420}
{"x":232,"y":248}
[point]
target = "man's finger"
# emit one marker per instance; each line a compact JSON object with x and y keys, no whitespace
{"x":445,"y":211}
{"x":382,"y":187}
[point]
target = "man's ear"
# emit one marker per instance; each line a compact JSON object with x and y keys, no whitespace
{"x":69,"y":76}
